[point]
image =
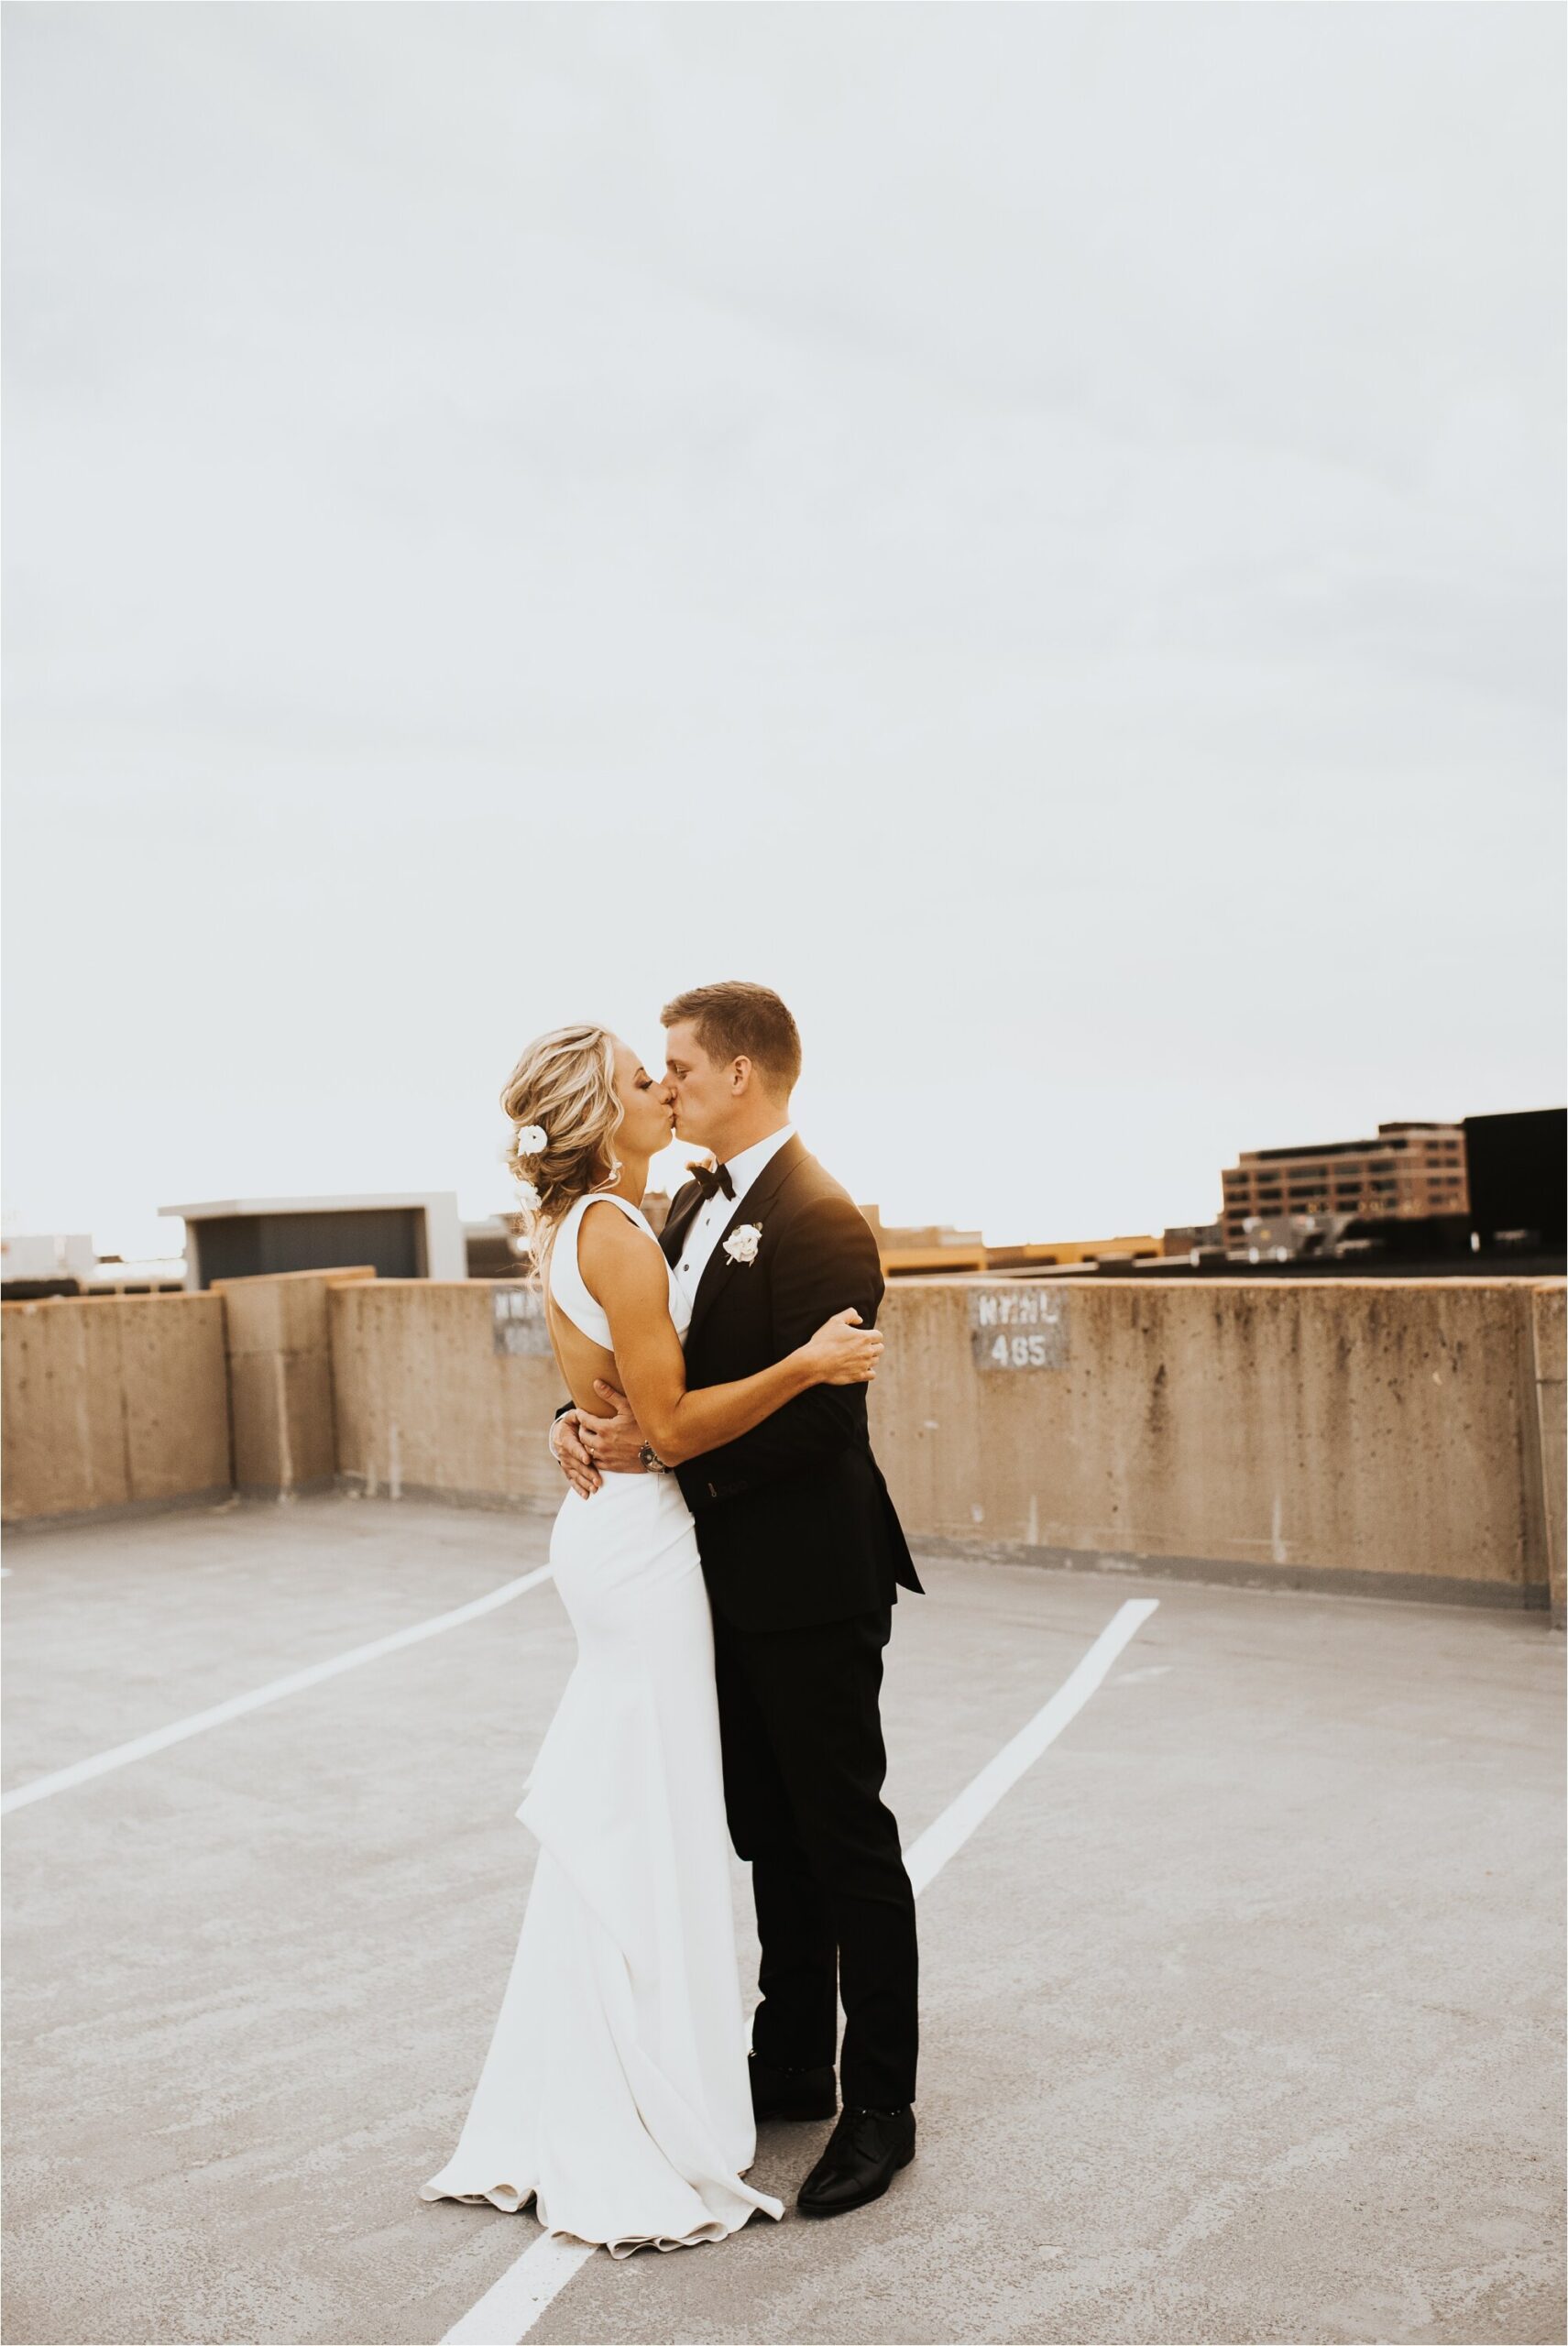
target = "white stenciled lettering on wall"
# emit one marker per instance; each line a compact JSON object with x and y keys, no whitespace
{"x":516,"y":1321}
{"x":1018,"y":1326}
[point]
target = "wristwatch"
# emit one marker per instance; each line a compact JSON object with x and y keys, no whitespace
{"x":647,"y":1456}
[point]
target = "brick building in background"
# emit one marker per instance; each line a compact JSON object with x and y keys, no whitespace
{"x":1410,"y":1171}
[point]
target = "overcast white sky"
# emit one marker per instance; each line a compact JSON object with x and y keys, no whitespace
{"x":1037,"y":530}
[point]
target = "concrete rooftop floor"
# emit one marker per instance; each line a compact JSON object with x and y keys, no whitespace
{"x":1240,"y":2011}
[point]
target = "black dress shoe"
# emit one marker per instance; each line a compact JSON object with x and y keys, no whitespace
{"x":865,"y":2153}
{"x":792,"y":2093}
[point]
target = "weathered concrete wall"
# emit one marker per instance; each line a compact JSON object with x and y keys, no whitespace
{"x":1551,"y":1396}
{"x":113,"y":1402}
{"x":281,"y":1383}
{"x":1381,"y":1431}
{"x":426,"y":1403}
{"x":1403,"y":1436}
{"x":1378,"y":1433}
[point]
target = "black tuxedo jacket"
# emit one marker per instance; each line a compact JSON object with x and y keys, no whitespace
{"x":793,"y":1521}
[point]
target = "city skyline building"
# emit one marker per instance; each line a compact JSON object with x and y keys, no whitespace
{"x":1410,"y":1171}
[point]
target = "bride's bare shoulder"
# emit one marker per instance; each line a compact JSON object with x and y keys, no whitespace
{"x":610,"y":1246}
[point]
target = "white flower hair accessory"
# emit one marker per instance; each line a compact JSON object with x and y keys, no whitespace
{"x":741,"y":1245}
{"x":533,"y":1140}
{"x":528,"y":1196}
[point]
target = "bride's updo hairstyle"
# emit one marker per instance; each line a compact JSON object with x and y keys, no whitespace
{"x":562,"y":1090}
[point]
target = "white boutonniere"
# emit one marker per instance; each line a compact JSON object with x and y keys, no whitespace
{"x":741,"y":1245}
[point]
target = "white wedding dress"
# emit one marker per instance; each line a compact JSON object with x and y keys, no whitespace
{"x":615,"y":2092}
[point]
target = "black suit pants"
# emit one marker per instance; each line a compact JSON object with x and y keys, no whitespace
{"x":803,"y":1764}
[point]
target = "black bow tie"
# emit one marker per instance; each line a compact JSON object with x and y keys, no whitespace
{"x":708,"y":1182}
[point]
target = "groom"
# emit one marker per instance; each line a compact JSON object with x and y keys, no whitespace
{"x":803,"y":1556}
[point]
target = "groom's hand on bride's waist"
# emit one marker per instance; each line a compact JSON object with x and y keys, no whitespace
{"x":594,"y":1445}
{"x":615,"y":1442}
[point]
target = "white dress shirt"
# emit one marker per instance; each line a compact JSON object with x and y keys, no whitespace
{"x":714,"y":1215}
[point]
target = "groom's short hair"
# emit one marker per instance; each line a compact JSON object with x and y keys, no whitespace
{"x":735,"y":1021}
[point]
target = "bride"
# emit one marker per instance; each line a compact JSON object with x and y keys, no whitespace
{"x":615,"y":2093}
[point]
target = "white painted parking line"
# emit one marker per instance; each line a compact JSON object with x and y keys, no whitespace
{"x":82,"y":1770}
{"x":928,"y":1856}
{"x":509,"y":2310}
{"x":506,"y":2313}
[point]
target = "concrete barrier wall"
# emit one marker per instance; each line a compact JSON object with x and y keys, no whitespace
{"x":280,"y":1382}
{"x":113,"y":1402}
{"x":1381,"y":1432}
{"x":1404,"y":1436}
{"x":1386,"y":1434}
{"x":1549,"y":1310}
{"x":427,"y":1403}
